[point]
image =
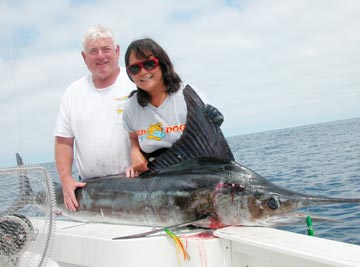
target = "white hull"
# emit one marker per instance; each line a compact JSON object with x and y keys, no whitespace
{"x":79,"y":245}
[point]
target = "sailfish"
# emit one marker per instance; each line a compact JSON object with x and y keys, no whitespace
{"x":196,"y":181}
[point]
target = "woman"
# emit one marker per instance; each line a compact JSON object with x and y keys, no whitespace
{"x":155,"y":114}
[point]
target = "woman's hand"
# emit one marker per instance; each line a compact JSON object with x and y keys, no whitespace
{"x":138,"y":161}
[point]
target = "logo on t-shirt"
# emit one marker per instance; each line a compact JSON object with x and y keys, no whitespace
{"x":120,"y":104}
{"x":157,"y":132}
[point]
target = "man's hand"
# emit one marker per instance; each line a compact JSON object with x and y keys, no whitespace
{"x":69,"y":188}
{"x":64,"y":151}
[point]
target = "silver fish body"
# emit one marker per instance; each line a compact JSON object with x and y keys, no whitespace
{"x":213,"y":192}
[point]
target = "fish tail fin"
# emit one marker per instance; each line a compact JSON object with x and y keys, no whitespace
{"x":26,"y":191}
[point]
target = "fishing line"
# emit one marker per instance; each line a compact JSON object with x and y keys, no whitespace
{"x":14,"y":83}
{"x":180,"y":248}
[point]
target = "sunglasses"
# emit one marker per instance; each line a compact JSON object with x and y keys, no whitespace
{"x":148,"y":64}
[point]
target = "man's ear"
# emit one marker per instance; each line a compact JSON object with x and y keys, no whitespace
{"x":83,"y":56}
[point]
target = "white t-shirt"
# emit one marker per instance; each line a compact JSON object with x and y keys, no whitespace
{"x":157,"y":127}
{"x":94,"y":117}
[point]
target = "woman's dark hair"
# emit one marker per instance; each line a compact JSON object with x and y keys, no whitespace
{"x":145,"y":48}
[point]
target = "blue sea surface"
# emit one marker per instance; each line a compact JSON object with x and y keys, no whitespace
{"x":319,"y":159}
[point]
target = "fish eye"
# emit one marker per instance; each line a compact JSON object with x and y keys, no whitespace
{"x":273,"y":203}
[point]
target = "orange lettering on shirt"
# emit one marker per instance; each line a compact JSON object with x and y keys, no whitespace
{"x":175,"y":128}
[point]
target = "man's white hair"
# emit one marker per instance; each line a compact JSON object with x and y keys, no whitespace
{"x":98,"y":31}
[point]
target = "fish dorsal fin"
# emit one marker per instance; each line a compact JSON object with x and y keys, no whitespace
{"x":201,"y":137}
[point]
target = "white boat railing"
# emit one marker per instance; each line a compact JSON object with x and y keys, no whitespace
{"x":80,"y":245}
{"x":260,"y":246}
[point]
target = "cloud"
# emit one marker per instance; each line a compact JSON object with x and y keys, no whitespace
{"x":264,"y":64}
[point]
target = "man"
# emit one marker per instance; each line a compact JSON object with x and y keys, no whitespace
{"x":90,"y":117}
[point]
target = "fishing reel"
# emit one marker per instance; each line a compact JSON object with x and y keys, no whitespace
{"x":16,"y":233}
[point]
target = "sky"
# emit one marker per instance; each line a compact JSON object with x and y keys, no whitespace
{"x":265,"y":64}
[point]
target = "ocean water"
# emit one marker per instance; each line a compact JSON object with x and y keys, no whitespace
{"x":320,"y":159}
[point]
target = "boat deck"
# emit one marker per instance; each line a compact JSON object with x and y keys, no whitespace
{"x":78,"y":245}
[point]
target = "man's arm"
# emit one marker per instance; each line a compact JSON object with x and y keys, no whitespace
{"x":64,"y":155}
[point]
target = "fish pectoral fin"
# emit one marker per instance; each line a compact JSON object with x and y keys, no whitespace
{"x":209,"y":222}
{"x":155,"y":231}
